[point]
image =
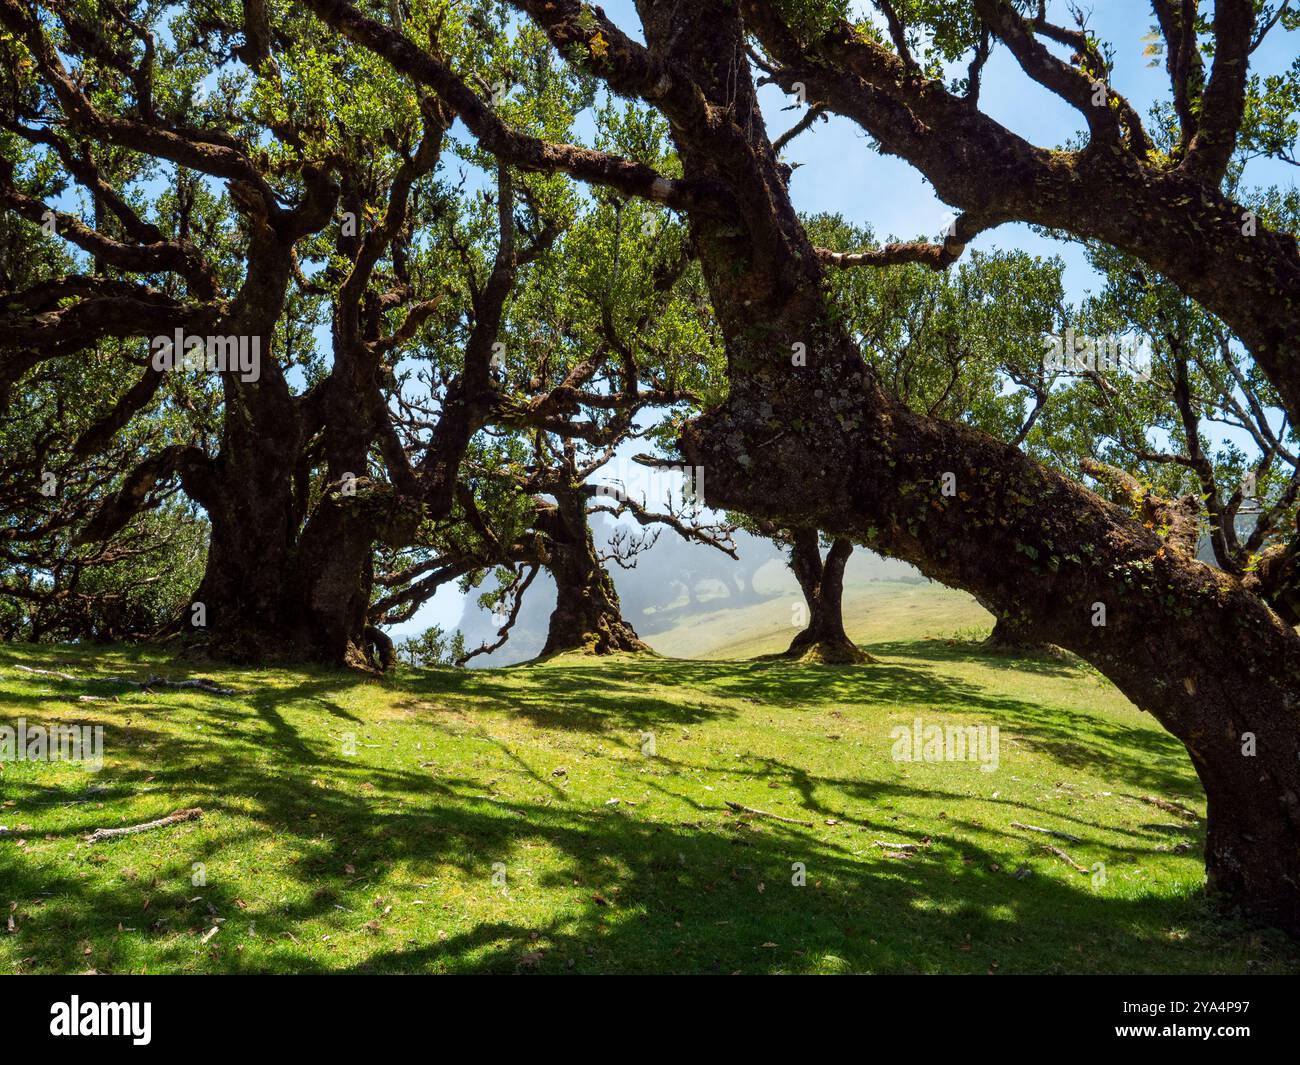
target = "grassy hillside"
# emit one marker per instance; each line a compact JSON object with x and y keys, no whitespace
{"x":508,"y":820}
{"x":875,"y":611}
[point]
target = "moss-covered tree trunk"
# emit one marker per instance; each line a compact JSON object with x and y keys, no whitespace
{"x":822,"y":584}
{"x":587,"y":616}
{"x":1011,"y":634}
{"x":281,"y":585}
{"x":278,"y":586}
{"x":289,"y":577}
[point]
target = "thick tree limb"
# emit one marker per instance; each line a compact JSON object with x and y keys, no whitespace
{"x":1224,"y":101}
{"x":510,"y":146}
{"x":1178,"y":519}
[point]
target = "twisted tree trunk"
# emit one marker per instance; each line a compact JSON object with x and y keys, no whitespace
{"x":587,"y":616}
{"x":286,"y":580}
{"x":822,"y":583}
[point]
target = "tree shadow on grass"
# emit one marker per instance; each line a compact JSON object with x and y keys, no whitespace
{"x":714,"y":895}
{"x":721,"y":899}
{"x":942,"y":649}
{"x":626,"y":892}
{"x":582,"y":699}
{"x":621,"y":696}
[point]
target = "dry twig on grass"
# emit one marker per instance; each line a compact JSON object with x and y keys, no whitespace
{"x":192,"y":814}
{"x":1171,"y":807}
{"x":763,"y":813}
{"x":46,"y":672}
{"x":907,"y":848}
{"x":1047,"y":832}
{"x":1067,"y":859}
{"x":152,"y":681}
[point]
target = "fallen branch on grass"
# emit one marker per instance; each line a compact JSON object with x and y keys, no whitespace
{"x":152,"y":681}
{"x":1170,"y":807}
{"x":1066,"y":858}
{"x":46,"y":672}
{"x":179,"y":816}
{"x":1047,"y":832}
{"x":763,"y":813}
{"x":909,"y":848}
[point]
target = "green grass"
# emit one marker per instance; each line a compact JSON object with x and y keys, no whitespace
{"x":383,"y":861}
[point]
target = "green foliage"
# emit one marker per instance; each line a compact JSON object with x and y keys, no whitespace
{"x":432,"y":647}
{"x":51,"y":586}
{"x":963,"y":344}
{"x":1198,"y":421}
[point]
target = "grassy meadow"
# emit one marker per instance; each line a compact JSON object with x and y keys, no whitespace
{"x":572,"y":815}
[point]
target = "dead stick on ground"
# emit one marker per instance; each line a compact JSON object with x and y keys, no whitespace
{"x":1047,"y":832}
{"x":763,"y":813}
{"x":909,"y":847}
{"x":192,"y":814}
{"x":1066,"y":858}
{"x":1169,"y":807}
{"x":46,"y":672}
{"x":200,"y":683}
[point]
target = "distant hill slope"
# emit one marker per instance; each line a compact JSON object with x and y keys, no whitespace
{"x":875,"y":612}
{"x":680,"y":587}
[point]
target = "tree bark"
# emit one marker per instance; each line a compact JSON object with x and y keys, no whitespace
{"x":587,"y":616}
{"x":279,"y":586}
{"x":822,"y":583}
{"x":1010,"y":634}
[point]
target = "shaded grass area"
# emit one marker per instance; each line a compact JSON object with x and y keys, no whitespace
{"x":462,"y":821}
